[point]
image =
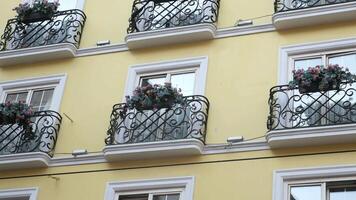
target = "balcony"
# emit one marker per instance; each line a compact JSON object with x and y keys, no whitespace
{"x":298,"y":13}
{"x":44,"y":128}
{"x":312,"y":118}
{"x":58,"y":37}
{"x":158,"y":22}
{"x":180,"y":130}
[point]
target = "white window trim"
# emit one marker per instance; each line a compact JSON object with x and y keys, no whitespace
{"x":285,"y":54}
{"x":15,"y":193}
{"x":197,"y":64}
{"x":281,"y":178}
{"x":58,"y":80}
{"x":141,"y":186}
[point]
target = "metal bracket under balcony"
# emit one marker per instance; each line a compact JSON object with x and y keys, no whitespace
{"x":180,"y":130}
{"x":312,"y":118}
{"x":298,"y":13}
{"x":159,"y":22}
{"x":56,"y":38}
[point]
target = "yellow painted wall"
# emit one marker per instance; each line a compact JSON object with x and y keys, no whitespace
{"x":240,"y":73}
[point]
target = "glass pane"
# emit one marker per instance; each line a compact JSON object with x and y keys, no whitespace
{"x":310,"y":105}
{"x":41,"y":99}
{"x":166,"y":197}
{"x":134,"y":197}
{"x":66,"y":4}
{"x":159,"y":79}
{"x":342,"y":103}
{"x":16,"y":97}
{"x":185,"y":82}
{"x":343,"y":193}
{"x":306,"y":63}
{"x":305,"y":192}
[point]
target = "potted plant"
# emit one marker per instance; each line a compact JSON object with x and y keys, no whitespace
{"x":320,"y":78}
{"x":16,"y":113}
{"x":35,"y":11}
{"x":154,"y":97}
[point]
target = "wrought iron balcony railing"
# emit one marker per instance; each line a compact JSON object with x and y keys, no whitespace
{"x":65,"y":27}
{"x":183,"y":121}
{"x":286,"y":5}
{"x":159,"y":14}
{"x":290,"y":109}
{"x":41,"y":137}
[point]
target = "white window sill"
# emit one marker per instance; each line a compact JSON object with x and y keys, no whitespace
{"x":36,"y":54}
{"x":24,"y":161}
{"x":302,"y":137}
{"x":176,"y":35}
{"x":184,"y":147}
{"x":312,"y":16}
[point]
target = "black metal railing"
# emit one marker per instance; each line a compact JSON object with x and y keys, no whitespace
{"x":39,"y":136}
{"x":157,"y":14}
{"x":64,"y":27}
{"x":183,"y":121}
{"x":290,"y":109}
{"x":286,"y":5}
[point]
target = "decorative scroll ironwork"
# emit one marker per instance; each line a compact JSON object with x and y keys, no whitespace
{"x":182,"y":121}
{"x":64,"y":27}
{"x":44,"y":128}
{"x":157,"y":14}
{"x":286,"y":5}
{"x":290,"y":109}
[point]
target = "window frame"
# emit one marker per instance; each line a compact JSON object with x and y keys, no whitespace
{"x":31,"y":193}
{"x":199,"y":65}
{"x":282,"y":179}
{"x":184,"y":185}
{"x":57,"y":82}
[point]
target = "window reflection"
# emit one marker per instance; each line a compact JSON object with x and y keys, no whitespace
{"x":342,"y":193}
{"x":305,"y":192}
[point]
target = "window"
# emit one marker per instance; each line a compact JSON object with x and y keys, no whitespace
{"x":19,"y":194}
{"x":180,"y":188}
{"x":187,"y":74}
{"x":331,"y":108}
{"x":317,"y":183}
{"x":41,"y":93}
{"x":338,"y":190}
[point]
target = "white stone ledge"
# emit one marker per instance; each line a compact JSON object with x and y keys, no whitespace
{"x":174,"y":148}
{"x":302,"y":137}
{"x":36,"y":54}
{"x":24,"y":160}
{"x":327,"y":14}
{"x":176,"y":35}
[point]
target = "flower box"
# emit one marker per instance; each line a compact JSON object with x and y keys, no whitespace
{"x":320,"y":78}
{"x":36,"y":17}
{"x":37,"y":11}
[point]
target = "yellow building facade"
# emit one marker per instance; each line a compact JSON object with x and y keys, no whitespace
{"x":231,"y":137}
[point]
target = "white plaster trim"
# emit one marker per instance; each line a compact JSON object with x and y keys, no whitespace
{"x":244,"y":30}
{"x":185,"y":183}
{"x":36,"y":54}
{"x":322,"y":135}
{"x":281,"y":177}
{"x":175,"y":35}
{"x":31,"y":193}
{"x":59,"y":80}
{"x":200,"y":65}
{"x":148,"y":150}
{"x":236,"y":148}
{"x":307,"y":48}
{"x":24,"y":160}
{"x":316,"y":15}
{"x":114,"y":48}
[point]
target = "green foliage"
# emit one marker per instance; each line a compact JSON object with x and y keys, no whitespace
{"x":154,"y":97}
{"x":321,"y":77}
{"x":16,"y":113}
{"x":42,"y":7}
